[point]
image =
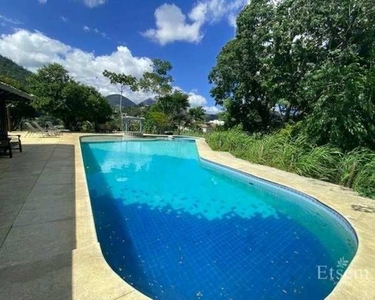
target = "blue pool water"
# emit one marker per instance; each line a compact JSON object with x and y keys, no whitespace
{"x":175,"y":228}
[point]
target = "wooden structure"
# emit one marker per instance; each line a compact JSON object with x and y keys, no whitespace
{"x":9,"y":94}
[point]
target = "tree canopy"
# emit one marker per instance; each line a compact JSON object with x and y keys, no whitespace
{"x":171,"y":110}
{"x":58,"y":95}
{"x":301,"y":60}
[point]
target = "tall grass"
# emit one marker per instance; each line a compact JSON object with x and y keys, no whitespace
{"x":283,"y":150}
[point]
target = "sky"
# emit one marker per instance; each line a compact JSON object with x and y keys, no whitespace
{"x":89,"y":36}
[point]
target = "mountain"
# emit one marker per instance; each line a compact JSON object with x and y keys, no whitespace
{"x":147,"y":102}
{"x":10,"y":69}
{"x":114,"y":100}
{"x":208,"y":117}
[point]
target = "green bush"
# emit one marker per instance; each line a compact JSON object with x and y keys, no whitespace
{"x":287,"y":150}
{"x":364,"y":182}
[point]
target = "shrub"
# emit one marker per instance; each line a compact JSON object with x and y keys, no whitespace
{"x":288,"y":151}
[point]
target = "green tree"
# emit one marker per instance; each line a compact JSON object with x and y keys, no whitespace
{"x":156,"y":121}
{"x":196,"y":117}
{"x":239,"y":73}
{"x":123,"y":82}
{"x":315,"y":59}
{"x":48,"y":85}
{"x":158,"y":82}
{"x":175,"y":106}
{"x":60,"y":96}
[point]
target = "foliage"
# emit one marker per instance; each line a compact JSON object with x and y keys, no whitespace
{"x":314,"y":60}
{"x":156,"y":121}
{"x":196,"y":116}
{"x":14,"y":83}
{"x":122,"y":80}
{"x":291,"y":152}
{"x":344,"y":114}
{"x":169,"y":111}
{"x":11,"y":70}
{"x":158,"y":81}
{"x":364,"y":182}
{"x":351,"y":164}
{"x":174,"y":105}
{"x":61,"y":97}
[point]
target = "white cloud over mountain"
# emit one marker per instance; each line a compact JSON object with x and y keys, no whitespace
{"x":34,"y":50}
{"x":173,"y":25}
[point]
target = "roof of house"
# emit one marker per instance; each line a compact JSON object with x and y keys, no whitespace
{"x":10,"y":93}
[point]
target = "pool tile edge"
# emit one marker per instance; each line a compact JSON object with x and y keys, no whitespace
{"x":88,"y":244}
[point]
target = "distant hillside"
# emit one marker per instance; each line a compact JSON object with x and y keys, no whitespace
{"x":147,"y":102}
{"x":208,"y":117}
{"x":10,"y":69}
{"x":114,"y":101}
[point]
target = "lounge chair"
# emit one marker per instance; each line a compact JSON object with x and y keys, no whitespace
{"x":9,"y":142}
{"x":32,"y":130}
{"x":47,"y":131}
{"x":53,"y":128}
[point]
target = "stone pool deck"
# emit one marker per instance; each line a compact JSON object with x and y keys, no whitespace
{"x":49,"y":249}
{"x":48,"y":243}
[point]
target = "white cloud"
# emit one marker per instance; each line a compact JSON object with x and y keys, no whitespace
{"x":42,"y":1}
{"x":94,"y":3}
{"x":173,"y":25}
{"x":196,"y":100}
{"x":212,"y":110}
{"x":10,"y":21}
{"x":34,"y":50}
{"x":64,"y":19}
{"x":101,"y":33}
{"x":96,"y":31}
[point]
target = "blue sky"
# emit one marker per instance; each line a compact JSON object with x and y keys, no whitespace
{"x":88,"y":36}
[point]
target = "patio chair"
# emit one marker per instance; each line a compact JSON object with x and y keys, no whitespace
{"x":47,"y":131}
{"x":9,"y":142}
{"x":53,"y":128}
{"x":32,"y":130}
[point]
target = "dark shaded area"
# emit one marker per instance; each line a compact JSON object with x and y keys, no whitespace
{"x":37,"y":223}
{"x":364,"y":208}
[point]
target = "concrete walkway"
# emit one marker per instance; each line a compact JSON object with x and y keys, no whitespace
{"x":49,"y":248}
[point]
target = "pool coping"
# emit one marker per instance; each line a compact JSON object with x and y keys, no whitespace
{"x":337,"y":198}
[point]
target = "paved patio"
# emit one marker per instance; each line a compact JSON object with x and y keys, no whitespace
{"x":49,"y":248}
{"x":48,"y":243}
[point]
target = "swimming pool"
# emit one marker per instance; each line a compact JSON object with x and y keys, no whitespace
{"x":178,"y":227}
